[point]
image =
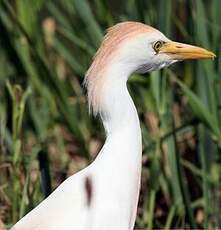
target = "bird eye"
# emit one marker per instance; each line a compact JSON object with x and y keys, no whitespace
{"x":157,"y":45}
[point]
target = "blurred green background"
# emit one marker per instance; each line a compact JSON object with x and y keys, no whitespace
{"x":46,"y":133}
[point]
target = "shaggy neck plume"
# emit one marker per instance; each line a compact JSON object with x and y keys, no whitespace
{"x":108,"y":66}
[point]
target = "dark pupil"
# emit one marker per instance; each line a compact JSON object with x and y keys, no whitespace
{"x":157,"y":45}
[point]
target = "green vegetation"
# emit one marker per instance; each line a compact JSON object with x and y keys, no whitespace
{"x":45,"y":129}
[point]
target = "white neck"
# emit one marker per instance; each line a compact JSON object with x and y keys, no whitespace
{"x":117,"y":108}
{"x":121,"y":154}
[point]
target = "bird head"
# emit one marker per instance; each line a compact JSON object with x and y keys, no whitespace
{"x":133,"y":47}
{"x":147,"y":49}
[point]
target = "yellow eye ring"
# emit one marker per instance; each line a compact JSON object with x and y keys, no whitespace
{"x":157,"y":45}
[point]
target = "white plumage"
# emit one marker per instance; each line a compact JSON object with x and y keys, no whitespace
{"x":104,"y":195}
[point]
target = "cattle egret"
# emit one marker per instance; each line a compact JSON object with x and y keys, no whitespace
{"x":104,"y":195}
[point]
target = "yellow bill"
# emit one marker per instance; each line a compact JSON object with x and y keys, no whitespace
{"x":182,"y":51}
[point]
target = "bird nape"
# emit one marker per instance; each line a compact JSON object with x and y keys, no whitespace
{"x":105,"y":194}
